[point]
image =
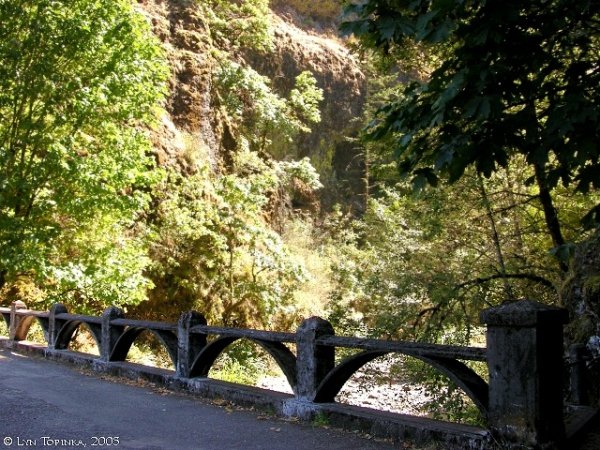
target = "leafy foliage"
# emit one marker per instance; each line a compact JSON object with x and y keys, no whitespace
{"x":515,"y":79}
{"x":239,"y":23}
{"x":266,"y":119}
{"x":78,"y":81}
{"x":424,"y":266}
{"x":216,"y":250}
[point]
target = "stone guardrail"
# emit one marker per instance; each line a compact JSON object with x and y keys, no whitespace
{"x":522,"y":401}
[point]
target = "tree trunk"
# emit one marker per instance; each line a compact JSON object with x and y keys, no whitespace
{"x":495,"y":236}
{"x":550,"y":214}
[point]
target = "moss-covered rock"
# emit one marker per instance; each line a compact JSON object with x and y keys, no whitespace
{"x":581,"y":296}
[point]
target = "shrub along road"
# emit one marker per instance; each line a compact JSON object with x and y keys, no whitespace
{"x":45,"y":404}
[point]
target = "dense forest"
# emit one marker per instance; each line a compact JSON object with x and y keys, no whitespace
{"x":395,"y":167}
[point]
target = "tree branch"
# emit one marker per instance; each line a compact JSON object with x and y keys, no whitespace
{"x":520,"y":276}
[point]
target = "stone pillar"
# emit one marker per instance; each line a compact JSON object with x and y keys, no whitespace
{"x":525,"y":361}
{"x":14,"y":320}
{"x":110,"y":333}
{"x":188,"y":344}
{"x":54,"y":324}
{"x":314,"y":361}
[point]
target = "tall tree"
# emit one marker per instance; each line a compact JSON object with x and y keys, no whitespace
{"x":513,"y":78}
{"x":79,"y":82}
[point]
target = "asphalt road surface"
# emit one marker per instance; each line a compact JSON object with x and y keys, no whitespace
{"x":47,"y":405}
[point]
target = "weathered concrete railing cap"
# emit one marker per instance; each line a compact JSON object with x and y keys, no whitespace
{"x":523,"y":313}
{"x":315,"y":327}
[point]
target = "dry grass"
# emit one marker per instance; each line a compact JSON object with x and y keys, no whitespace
{"x":317,"y":9}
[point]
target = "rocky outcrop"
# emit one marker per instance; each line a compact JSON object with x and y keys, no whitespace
{"x":330,"y":145}
{"x":193,"y":129}
{"x":189,"y":124}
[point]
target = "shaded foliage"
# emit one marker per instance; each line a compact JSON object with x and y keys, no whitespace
{"x":514,"y":79}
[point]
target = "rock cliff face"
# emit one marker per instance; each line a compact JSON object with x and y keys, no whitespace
{"x":330,"y":145}
{"x":301,"y":43}
{"x":189,"y":120}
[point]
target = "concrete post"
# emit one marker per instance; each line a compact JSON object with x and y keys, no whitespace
{"x":14,"y":320}
{"x":54,"y":324}
{"x":188,"y":344}
{"x":525,"y":349}
{"x":313,"y":361}
{"x":110,"y":333}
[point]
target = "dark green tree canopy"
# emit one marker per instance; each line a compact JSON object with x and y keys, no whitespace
{"x":514,"y":78}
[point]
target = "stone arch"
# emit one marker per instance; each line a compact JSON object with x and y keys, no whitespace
{"x":282,"y":355}
{"x":23,"y":325}
{"x":167,"y":338}
{"x":67,"y":330}
{"x":464,"y":377}
{"x":6,"y":317}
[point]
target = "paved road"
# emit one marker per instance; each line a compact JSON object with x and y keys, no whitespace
{"x":47,"y":405}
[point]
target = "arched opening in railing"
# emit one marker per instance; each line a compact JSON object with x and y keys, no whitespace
{"x":385,"y":383}
{"x":79,"y":336}
{"x":84,"y":341}
{"x":4,"y":324}
{"x":247,"y":361}
{"x":156,"y":348}
{"x":402,"y":384}
{"x":31,"y":328}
